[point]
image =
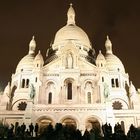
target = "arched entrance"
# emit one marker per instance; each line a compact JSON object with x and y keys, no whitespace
{"x":43,"y":123}
{"x":69,"y":122}
{"x":93,"y":123}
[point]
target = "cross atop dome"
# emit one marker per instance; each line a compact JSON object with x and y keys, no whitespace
{"x":71,"y":15}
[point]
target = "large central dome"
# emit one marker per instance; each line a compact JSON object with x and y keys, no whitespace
{"x":71,"y":31}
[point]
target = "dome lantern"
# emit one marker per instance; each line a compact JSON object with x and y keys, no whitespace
{"x":71,"y":16}
{"x":32,"y":46}
{"x":108,"y":46}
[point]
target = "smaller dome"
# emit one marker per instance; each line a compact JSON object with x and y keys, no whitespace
{"x":100,"y":60}
{"x":39,"y":57}
{"x":113,"y":63}
{"x":26,"y":63}
{"x":100,"y":56}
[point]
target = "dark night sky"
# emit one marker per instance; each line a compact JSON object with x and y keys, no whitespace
{"x":20,"y":19}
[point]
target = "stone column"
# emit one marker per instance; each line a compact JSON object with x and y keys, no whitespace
{"x":109,"y":113}
{"x":28,"y":112}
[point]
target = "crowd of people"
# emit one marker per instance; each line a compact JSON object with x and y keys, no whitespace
{"x":66,"y":132}
{"x":18,"y":131}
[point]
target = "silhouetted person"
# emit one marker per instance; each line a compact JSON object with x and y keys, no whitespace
{"x":132,"y":132}
{"x":86,"y":135}
{"x":115,"y":128}
{"x":16,"y":126}
{"x":110,"y":128}
{"x":10,"y":133}
{"x":18,"y":130}
{"x":107,"y":130}
{"x":27,"y":134}
{"x":12,"y":127}
{"x":119,"y":127}
{"x":92,"y":135}
{"x":31,"y":129}
{"x":23,"y":128}
{"x":36,"y":129}
{"x":78,"y":134}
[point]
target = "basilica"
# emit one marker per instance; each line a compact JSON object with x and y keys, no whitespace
{"x":71,"y":85}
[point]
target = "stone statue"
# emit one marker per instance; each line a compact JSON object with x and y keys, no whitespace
{"x":88,"y":85}
{"x":32,"y":91}
{"x":10,"y":93}
{"x":106,"y":90}
{"x":69,"y":60}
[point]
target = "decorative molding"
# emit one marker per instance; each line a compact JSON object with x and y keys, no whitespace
{"x":64,"y":109}
{"x":51,"y":74}
{"x":87,"y":74}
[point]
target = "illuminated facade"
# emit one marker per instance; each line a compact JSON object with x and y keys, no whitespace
{"x":71,"y":85}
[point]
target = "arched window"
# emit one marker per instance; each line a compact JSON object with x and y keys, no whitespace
{"x":50,"y":98}
{"x":89,"y":97}
{"x":88,"y":85}
{"x":69,"y":91}
{"x":27,"y":83}
{"x":102,"y":79}
{"x":36,"y":79}
{"x":112,"y":83}
{"x":117,"y":82}
{"x":23,"y":83}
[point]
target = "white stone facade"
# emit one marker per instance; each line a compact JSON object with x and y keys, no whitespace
{"x":71,"y":86}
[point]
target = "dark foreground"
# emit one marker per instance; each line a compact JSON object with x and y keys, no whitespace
{"x":67,"y":132}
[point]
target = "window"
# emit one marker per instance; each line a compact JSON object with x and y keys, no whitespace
{"x":102,"y":79}
{"x":89,"y":97}
{"x":36,"y":79}
{"x":23,"y":83}
{"x":85,"y":49}
{"x":69,"y":91}
{"x":50,"y":98}
{"x":117,"y":83}
{"x":112,"y":83}
{"x":27,"y":83}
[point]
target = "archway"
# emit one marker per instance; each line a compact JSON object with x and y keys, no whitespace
{"x":93,"y":123}
{"x":69,"y":122}
{"x":43,"y":123}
